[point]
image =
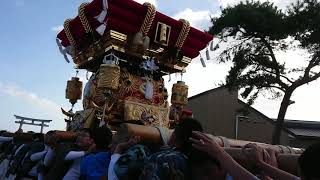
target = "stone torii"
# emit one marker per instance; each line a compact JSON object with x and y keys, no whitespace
{"x":32,"y":121}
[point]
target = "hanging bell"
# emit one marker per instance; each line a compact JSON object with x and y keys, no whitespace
{"x":109,"y":75}
{"x":74,"y":90}
{"x":179,"y":93}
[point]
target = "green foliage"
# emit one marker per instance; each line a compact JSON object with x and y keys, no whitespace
{"x":260,"y":29}
{"x":254,"y":17}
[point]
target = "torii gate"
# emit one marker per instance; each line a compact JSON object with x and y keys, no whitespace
{"x":31,"y":121}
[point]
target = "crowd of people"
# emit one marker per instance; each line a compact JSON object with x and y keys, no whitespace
{"x":189,"y":154}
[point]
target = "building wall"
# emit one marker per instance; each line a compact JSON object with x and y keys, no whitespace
{"x":216,"y":111}
{"x":256,"y":127}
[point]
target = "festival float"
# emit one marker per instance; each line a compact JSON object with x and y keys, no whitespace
{"x":128,"y":48}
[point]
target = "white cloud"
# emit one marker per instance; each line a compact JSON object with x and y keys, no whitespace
{"x":197,"y":19}
{"x":154,"y":2}
{"x":35,"y":106}
{"x":282,"y":4}
{"x":57,"y":28}
{"x":15,"y":91}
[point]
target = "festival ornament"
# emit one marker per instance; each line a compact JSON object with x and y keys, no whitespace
{"x":179,"y":94}
{"x":202,"y":61}
{"x":109,"y":76}
{"x":74,"y":90}
{"x":101,"y":17}
{"x":141,"y":40}
{"x":149,"y":66}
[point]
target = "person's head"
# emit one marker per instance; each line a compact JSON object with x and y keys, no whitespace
{"x":84,"y":140}
{"x":51,"y":139}
{"x":102,"y":137}
{"x":182,"y":133}
{"x":37,"y":137}
{"x":308,"y":163}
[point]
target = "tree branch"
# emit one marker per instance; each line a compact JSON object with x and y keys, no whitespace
{"x":277,"y":87}
{"x":313,"y":62}
{"x":274,"y":60}
{"x":281,"y":83}
{"x":285,"y":77}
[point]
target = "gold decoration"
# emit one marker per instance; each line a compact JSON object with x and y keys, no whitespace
{"x":74,"y":90}
{"x":68,"y":32}
{"x":141,"y":41}
{"x":183,"y":33}
{"x":179,"y":93}
{"x":148,"y":20}
{"x":109,"y":77}
{"x":83,"y":18}
{"x":150,"y":115}
{"x":162,"y":34}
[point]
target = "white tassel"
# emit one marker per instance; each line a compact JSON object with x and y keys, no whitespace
{"x":149,"y":90}
{"x":101,"y":29}
{"x":207,"y":54}
{"x":102,"y":16}
{"x":104,"y":12}
{"x":211,"y":46}
{"x":146,"y":43}
{"x":102,"y":123}
{"x":63,"y":51}
{"x":202,"y":61}
{"x":69,"y":50}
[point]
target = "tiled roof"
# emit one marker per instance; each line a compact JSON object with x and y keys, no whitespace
{"x":305,"y":132}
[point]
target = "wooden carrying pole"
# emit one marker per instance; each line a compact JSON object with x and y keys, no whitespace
{"x":152,"y":134}
{"x":63,"y":136}
{"x":287,"y":160}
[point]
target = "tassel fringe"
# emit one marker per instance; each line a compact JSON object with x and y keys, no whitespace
{"x":101,"y":29}
{"x":202,"y":61}
{"x":63,"y":51}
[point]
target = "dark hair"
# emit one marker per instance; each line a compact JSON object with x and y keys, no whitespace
{"x":102,"y":137}
{"x":308,"y":162}
{"x":183,"y":131}
{"x":37,"y":137}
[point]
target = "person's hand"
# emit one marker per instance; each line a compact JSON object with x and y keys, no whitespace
{"x":204,"y":143}
{"x":255,"y":153}
{"x":125,"y":145}
{"x":273,"y":157}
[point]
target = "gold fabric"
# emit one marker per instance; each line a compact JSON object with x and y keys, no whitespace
{"x":148,"y":114}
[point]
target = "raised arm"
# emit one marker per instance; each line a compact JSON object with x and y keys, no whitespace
{"x":72,"y":155}
{"x":37,"y":156}
{"x":204,"y":143}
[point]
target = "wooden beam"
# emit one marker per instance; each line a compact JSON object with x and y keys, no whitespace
{"x":31,"y":119}
{"x":20,"y":122}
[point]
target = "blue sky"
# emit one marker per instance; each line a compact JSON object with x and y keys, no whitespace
{"x":33,"y":73}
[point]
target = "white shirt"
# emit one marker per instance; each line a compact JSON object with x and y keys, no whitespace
{"x":74,"y":171}
{"x":111,"y":174}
